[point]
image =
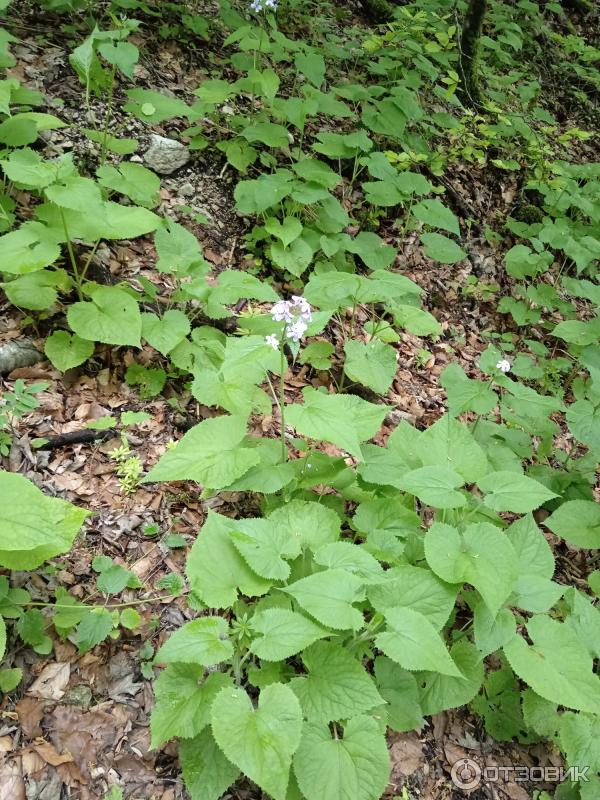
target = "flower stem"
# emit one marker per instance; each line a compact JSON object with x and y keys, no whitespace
{"x":284,"y":452}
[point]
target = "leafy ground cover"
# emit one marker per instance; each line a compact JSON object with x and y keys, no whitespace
{"x":300,"y":421}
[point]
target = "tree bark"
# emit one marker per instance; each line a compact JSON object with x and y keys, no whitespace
{"x":469,"y":89}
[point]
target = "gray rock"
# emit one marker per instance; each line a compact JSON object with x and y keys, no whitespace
{"x":165,"y":155}
{"x":187,"y":190}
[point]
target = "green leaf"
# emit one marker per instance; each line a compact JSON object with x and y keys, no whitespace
{"x":28,"y":249}
{"x":123,"y":55}
{"x":264,"y":545}
{"x":482,"y":556}
{"x":311,"y":64}
{"x":206,"y":771}
{"x":133,"y":180}
{"x":400,"y":690}
{"x":256,"y":196}
{"x":166,"y":332}
{"x":351,"y":557}
{"x":441,"y":248}
{"x":316,"y":171}
{"x":130,"y":619}
{"x":66,"y":351}
{"x":202,"y":641}
{"x":178,"y":249}
{"x":211,"y":453}
{"x":311,"y":523}
{"x":417,"y":589}
{"x":111,"y":316}
{"x":261,"y":741}
{"x":93,"y":629}
{"x":287,"y":231}
{"x":317,"y":354}
{"x":283,"y":633}
{"x":415,"y":320}
{"x":36,"y":291}
{"x":439,"y":692}
{"x":577,"y":521}
{"x":268,"y":133}
{"x":579,"y":737}
{"x":336,"y":687}
{"x":344,"y":420}
{"x":372,"y":364}
{"x":373,"y":250}
{"x":465,"y":394}
{"x":435,"y":213}
{"x":568,"y":681}
{"x":411,"y":641}
{"x":120,"y":146}
{"x":37,"y":527}
{"x":435,"y":486}
{"x":355,"y":765}
{"x":151,"y":106}
{"x":183,"y":701}
{"x":328,"y":597}
{"x":492,"y":632}
{"x":510,"y":491}
{"x":449,"y":443}
{"x":216,"y":570}
{"x":10,"y":679}
{"x":583,"y":419}
{"x":295,"y":258}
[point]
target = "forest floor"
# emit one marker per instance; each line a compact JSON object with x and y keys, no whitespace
{"x":81,"y":722}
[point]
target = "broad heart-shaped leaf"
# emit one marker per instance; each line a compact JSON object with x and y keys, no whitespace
{"x":557,"y":665}
{"x":442,"y":249}
{"x":435,"y":486}
{"x":482,"y":556}
{"x":583,"y":419}
{"x":439,"y":692}
{"x":211,"y":453}
{"x":344,"y":420}
{"x":166,"y":332}
{"x":465,"y":394}
{"x":111,"y":316}
{"x":373,"y":364}
{"x":577,"y":521}
{"x":510,"y":491}
{"x":328,"y":597}
{"x":183,"y":700}
{"x":337,"y":685}
{"x":373,"y":250}
{"x":31,"y":247}
{"x":33,"y":526}
{"x":178,"y":249}
{"x":265,"y":545}
{"x":532,"y":549}
{"x":353,"y":767}
{"x":133,"y":180}
{"x":284,"y":633}
{"x":66,"y":351}
{"x":415,"y":588}
{"x":411,"y":641}
{"x":449,"y":443}
{"x":206,"y":771}
{"x":286,"y":231}
{"x":492,"y":633}
{"x":105,"y":220}
{"x":353,"y":558}
{"x":435,"y":213}
{"x":313,"y":524}
{"x":261,"y":741}
{"x":400,"y":690}
{"x":202,"y":641}
{"x":216,"y":570}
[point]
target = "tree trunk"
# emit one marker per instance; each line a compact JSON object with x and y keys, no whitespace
{"x":469,"y":90}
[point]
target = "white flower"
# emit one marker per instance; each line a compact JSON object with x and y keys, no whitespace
{"x":272,"y":341}
{"x":503,"y":365}
{"x":303,"y":306}
{"x":262,"y":5}
{"x":281,"y":312}
{"x":296,"y":330}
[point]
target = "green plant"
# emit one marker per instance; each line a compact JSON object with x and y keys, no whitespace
{"x":17,"y":403}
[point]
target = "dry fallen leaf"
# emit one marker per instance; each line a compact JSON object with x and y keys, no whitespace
{"x":52,"y":682}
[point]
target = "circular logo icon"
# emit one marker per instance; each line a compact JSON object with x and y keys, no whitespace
{"x":466,"y":774}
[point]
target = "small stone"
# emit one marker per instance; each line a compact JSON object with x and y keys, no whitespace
{"x":80,"y":695}
{"x":187,"y":190}
{"x":165,"y":155}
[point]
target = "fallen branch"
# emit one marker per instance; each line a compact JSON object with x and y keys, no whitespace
{"x":86,"y":436}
